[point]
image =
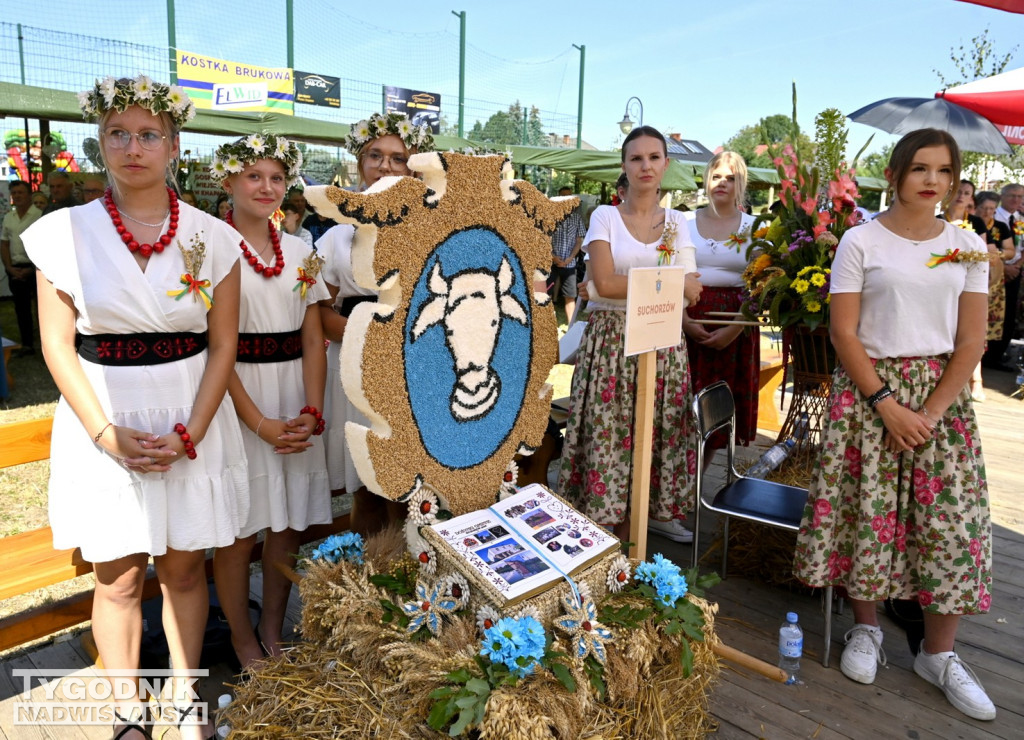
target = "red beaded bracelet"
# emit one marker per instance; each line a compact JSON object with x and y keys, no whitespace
{"x":320,"y":423}
{"x":186,"y":438}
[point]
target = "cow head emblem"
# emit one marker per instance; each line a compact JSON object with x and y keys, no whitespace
{"x":450,"y":365}
{"x":470,"y":306}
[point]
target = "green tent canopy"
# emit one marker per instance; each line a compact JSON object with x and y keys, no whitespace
{"x":593,"y":165}
{"x":26,"y":101}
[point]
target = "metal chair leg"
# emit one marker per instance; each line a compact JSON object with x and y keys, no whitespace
{"x":725,"y":549}
{"x":828,"y":626}
{"x":696,"y":533}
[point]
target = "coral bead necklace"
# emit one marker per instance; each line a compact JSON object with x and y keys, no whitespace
{"x":275,"y":239}
{"x":129,"y":239}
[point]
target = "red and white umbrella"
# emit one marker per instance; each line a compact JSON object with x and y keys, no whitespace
{"x":1010,"y":6}
{"x":999,"y":98}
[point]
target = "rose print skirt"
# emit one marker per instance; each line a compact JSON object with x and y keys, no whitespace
{"x":596,"y":470}
{"x":908,"y":526}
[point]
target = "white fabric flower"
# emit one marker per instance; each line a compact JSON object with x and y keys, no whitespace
{"x":486,"y":617}
{"x":85,"y":102}
{"x":529,"y":611}
{"x":423,"y":507}
{"x":218,"y":169}
{"x":381,"y":124}
{"x":257,"y":143}
{"x":456,"y":585}
{"x":405,"y":128}
{"x":108,"y":89}
{"x":234,"y":165}
{"x":362,"y":131}
{"x":143,"y":87}
{"x":282,"y":148}
{"x":618,"y":574}
{"x":178,"y":99}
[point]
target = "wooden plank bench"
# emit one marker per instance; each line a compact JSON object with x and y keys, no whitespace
{"x":30,"y":562}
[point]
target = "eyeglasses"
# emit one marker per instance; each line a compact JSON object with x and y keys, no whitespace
{"x":118,"y":138}
{"x":375,"y":159}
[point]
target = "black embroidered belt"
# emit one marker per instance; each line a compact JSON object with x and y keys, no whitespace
{"x":278,"y":347}
{"x":347,"y":304}
{"x":154,"y":348}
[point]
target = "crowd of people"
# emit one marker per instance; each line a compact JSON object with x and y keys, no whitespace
{"x":206,"y":431}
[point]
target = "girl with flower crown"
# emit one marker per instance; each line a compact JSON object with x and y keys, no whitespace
{"x":138,"y":306}
{"x":898,"y":506}
{"x":382,"y":145}
{"x":277,"y":387}
{"x":597,"y":460}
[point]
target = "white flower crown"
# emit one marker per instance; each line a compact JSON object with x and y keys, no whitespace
{"x":377,"y":125}
{"x":121,"y":94}
{"x":232,"y":158}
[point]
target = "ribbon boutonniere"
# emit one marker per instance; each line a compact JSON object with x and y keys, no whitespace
{"x":307,"y":273}
{"x":955,"y":255}
{"x":737,"y":238}
{"x":666,"y":249}
{"x":190,"y":278}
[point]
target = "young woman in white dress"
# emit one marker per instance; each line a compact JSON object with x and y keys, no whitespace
{"x":277,"y":387}
{"x":138,"y":306}
{"x":382,"y":145}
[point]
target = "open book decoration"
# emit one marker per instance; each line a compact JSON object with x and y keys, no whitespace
{"x":521,"y":546}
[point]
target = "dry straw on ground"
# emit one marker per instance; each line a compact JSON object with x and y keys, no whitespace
{"x":356,"y":677}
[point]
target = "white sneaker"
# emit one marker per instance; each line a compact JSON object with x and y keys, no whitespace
{"x":672,"y":529}
{"x":962,"y":688}
{"x":863,"y":653}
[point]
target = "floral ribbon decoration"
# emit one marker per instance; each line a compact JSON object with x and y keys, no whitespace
{"x":587,"y":636}
{"x":307,"y":273}
{"x":666,"y":250}
{"x":737,"y":238}
{"x":955,"y":255}
{"x":190,"y":278}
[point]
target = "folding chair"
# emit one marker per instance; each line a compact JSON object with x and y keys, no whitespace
{"x":752,"y":499}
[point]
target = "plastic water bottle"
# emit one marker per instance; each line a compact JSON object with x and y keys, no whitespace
{"x":777,"y":453}
{"x":223,"y":726}
{"x":771,"y":459}
{"x":791,"y":647}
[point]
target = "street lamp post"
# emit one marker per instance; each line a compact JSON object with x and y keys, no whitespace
{"x":626,"y":124}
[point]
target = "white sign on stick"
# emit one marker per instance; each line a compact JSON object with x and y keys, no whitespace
{"x":654,"y":308}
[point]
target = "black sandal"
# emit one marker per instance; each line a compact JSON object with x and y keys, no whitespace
{"x":183,"y":714}
{"x":130,"y":726}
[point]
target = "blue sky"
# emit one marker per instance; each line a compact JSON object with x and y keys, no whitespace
{"x":704,"y":69}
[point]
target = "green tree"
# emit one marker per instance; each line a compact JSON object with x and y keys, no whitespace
{"x":505,"y":128}
{"x":973,"y":62}
{"x":873,"y":165}
{"x":755,"y":143}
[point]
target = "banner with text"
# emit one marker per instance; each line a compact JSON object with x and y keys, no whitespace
{"x":421,"y":107}
{"x":313,"y":89}
{"x":220,"y":85}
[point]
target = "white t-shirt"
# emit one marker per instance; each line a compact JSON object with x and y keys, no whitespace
{"x":907,"y":308}
{"x":721,"y":262}
{"x":606,"y":224}
{"x":335,"y":246}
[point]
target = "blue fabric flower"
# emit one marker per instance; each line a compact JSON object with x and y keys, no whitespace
{"x":517,"y":643}
{"x":337,"y":547}
{"x":666,"y":578}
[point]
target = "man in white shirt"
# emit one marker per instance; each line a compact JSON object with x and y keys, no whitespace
{"x":21,"y":273}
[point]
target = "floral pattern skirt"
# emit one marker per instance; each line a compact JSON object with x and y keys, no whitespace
{"x":597,"y":459}
{"x":739,"y":364}
{"x":910,"y":526}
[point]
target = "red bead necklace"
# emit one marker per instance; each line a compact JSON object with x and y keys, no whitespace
{"x":253,"y":260}
{"x":129,"y":239}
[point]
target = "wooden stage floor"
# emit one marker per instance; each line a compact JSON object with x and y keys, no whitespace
{"x":828,"y":706}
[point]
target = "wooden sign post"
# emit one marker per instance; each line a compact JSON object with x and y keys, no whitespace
{"x":654,"y":320}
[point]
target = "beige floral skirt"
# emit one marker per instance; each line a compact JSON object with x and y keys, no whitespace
{"x":914,"y":525}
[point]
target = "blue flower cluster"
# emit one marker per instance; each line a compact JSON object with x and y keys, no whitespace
{"x":511,"y":639}
{"x":348,"y":546}
{"x":665,"y":577}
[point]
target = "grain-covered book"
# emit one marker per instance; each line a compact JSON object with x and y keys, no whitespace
{"x":524,"y":544}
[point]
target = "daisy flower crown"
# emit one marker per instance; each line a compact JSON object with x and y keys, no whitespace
{"x":230,"y":159}
{"x":121,"y":94}
{"x":377,"y":125}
